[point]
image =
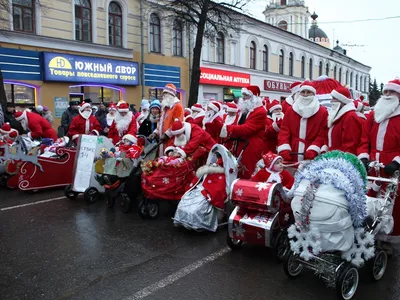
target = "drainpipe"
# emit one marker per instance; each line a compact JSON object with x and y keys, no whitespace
{"x":190,"y":62}
{"x":141,"y":49}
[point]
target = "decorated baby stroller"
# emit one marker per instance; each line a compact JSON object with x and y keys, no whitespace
{"x":332,"y":234}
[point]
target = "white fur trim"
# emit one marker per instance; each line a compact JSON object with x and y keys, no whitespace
{"x":95,"y":131}
{"x":284,"y":147}
{"x":29,"y":135}
{"x":213,"y":107}
{"x":130,"y":138}
{"x":289,"y":100}
{"x":361,"y":115}
{"x":168,"y":132}
{"x":276,"y":127}
{"x":188,"y":130}
{"x":340,"y":97}
{"x":275,"y":107}
{"x":169,"y":148}
{"x":397,"y":159}
{"x":194,"y":108}
{"x":324,"y":149}
{"x":230,"y":109}
{"x":346,"y":108}
{"x":123,"y":109}
{"x":295,"y":89}
{"x":86,"y":105}
{"x":314,"y":148}
{"x":23,"y":116}
{"x":205,"y":170}
{"x":363,"y":155}
{"x":380,"y":137}
{"x":75,"y":136}
{"x":330,"y":135}
{"x":302,"y":136}
{"x":181,"y":152}
{"x":391,"y":87}
{"x":308,"y":88}
{"x":224,"y":132}
{"x":375,"y":187}
{"x":202,"y":113}
{"x":179,"y":131}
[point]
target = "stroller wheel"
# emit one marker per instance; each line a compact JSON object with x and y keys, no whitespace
{"x":153,"y":208}
{"x":281,"y":245}
{"x":347,"y":282}
{"x":69,"y":193}
{"x":291,"y":266}
{"x":125,"y":203}
{"x":233,"y":243}
{"x":110,"y":200}
{"x":142,"y":209}
{"x":90,"y":195}
{"x":3,"y":180}
{"x":378,"y":265}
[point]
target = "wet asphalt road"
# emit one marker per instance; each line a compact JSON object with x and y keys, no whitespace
{"x":66,"y":249}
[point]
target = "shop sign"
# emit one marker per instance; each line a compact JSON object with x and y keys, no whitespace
{"x":226,"y":78}
{"x":278,"y":86}
{"x":60,"y":105}
{"x":74,"y":68}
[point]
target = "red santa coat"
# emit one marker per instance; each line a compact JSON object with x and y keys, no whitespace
{"x":251,"y":130}
{"x":287,"y":179}
{"x":271,"y":135}
{"x":80,"y":125}
{"x":39,"y":127}
{"x":214,"y":128}
{"x":198,"y":120}
{"x":299,"y":135}
{"x":230,"y":144}
{"x":288,"y":102}
{"x":116,"y":135}
{"x":345,"y":132}
{"x":132,"y":151}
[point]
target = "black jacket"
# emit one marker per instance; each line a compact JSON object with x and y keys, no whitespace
{"x":9,"y":118}
{"x":66,"y":120}
{"x":147,"y":127}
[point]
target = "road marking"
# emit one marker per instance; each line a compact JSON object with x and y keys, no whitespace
{"x":151,"y":289}
{"x":32,"y":203}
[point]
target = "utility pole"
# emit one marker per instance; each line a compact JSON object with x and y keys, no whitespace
{"x":141,"y":49}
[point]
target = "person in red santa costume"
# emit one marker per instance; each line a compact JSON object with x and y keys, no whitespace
{"x":274,"y":171}
{"x":231,"y":117}
{"x":212,"y":122}
{"x":273,"y":126}
{"x":187,"y":114}
{"x":37,"y":126}
{"x":360,"y":110}
{"x":304,"y":128}
{"x":84,"y":123}
{"x":7,"y":134}
{"x":189,"y":137}
{"x":294,"y":90}
{"x":250,"y":127}
{"x":110,"y":117}
{"x":343,"y":117}
{"x":197,"y":115}
{"x":130,"y":147}
{"x":124,"y":123}
{"x":380,"y":142}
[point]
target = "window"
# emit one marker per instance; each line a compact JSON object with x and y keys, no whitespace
{"x":252,"y":55}
{"x":220,"y":48}
{"x":310,"y":71}
{"x":115,"y":25}
{"x":23,"y":12}
{"x":351,"y":79}
{"x":357,"y":82}
{"x":327,"y":70}
{"x":281,"y":62}
{"x":83,"y":20}
{"x":97,"y":94}
{"x":303,"y":67}
{"x":283,"y":2}
{"x":290,"y":64}
{"x":177,"y":38}
{"x":20,"y":95}
{"x":320,"y":68}
{"x":283,"y":25}
{"x":361,"y":83}
{"x":265,"y":58}
{"x":334,"y":72}
{"x":340,"y":75}
{"x":366,"y":87}
{"x":347,"y":77}
{"x":155,"y":34}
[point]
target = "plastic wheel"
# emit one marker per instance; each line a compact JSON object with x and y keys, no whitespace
{"x":125,"y":203}
{"x":3,"y":180}
{"x":142,"y":209}
{"x":69,"y":193}
{"x":281,"y":245}
{"x":291,"y":266}
{"x":110,"y":200}
{"x":153,"y":209}
{"x":347,"y":282}
{"x":233,"y":243}
{"x":90,"y":195}
{"x":378,"y":265}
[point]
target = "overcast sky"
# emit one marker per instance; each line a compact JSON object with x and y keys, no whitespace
{"x":380,"y":39}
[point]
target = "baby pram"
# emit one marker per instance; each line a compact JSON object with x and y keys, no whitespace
{"x":332,"y":235}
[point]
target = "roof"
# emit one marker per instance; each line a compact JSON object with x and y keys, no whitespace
{"x":316,"y":32}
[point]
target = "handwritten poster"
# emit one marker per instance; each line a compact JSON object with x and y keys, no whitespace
{"x":60,"y":105}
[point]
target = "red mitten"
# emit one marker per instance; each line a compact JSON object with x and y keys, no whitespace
{"x":310,"y":155}
{"x":286,"y":155}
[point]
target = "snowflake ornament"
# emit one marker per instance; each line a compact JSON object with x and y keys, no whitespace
{"x":165,"y":180}
{"x":262,"y":186}
{"x":239,"y":230}
{"x":239,"y":192}
{"x":362,"y":250}
{"x":286,"y":217}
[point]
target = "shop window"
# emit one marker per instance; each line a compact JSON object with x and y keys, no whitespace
{"x":177,"y":38}
{"x":20,"y":95}
{"x":252,"y":55}
{"x":115,"y":25}
{"x":97,"y":94}
{"x":220,"y":48}
{"x":155,"y":34}
{"x":83,"y":20}
{"x":23,"y":12}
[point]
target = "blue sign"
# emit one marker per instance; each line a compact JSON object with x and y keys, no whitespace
{"x":20,"y":64}
{"x":159,"y":76}
{"x":74,"y":68}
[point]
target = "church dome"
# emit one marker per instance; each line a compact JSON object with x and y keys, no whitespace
{"x":316,"y":34}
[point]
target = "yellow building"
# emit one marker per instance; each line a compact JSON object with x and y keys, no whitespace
{"x":64,"y":50}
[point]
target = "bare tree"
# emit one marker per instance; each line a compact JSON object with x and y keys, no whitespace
{"x":206,"y":18}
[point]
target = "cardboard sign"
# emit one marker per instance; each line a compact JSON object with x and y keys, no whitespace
{"x":60,"y":105}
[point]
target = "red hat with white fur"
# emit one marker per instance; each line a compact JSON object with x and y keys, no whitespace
{"x":188,"y":111}
{"x":358,"y":105}
{"x":123,"y":107}
{"x":197,"y":107}
{"x":130,"y":138}
{"x":84,"y":105}
{"x":6,"y":129}
{"x":177,"y":127}
{"x":342,"y":94}
{"x":308,"y":86}
{"x":253,"y":89}
{"x":393,"y":85}
{"x":19,"y":115}
{"x":274,"y":104}
{"x":112,"y":106}
{"x":231,"y":107}
{"x":270,"y":159}
{"x":295,"y":87}
{"x":215,"y":106}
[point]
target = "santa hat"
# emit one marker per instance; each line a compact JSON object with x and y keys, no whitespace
{"x":112,"y":106}
{"x":251,"y":90}
{"x":6,"y":129}
{"x":170,"y":89}
{"x":325,"y":85}
{"x":215,"y":106}
{"x":295,"y":87}
{"x":358,"y":105}
{"x":197,"y":107}
{"x":393,"y":85}
{"x":274,"y":104}
{"x":169,"y":148}
{"x":19,"y":115}
{"x":342,"y":94}
{"x":232,"y":107}
{"x":188,"y":111}
{"x":130,"y":138}
{"x":308,"y":86}
{"x":270,"y":159}
{"x":123,"y":107}
{"x":265,"y":101}
{"x":177,"y":127}
{"x":145,"y":104}
{"x":84,"y":105}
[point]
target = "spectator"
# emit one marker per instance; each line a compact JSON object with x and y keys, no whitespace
{"x":66,"y":119}
{"x":48,"y":115}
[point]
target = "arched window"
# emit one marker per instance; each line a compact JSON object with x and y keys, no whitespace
{"x":340,"y":75}
{"x":220,"y":48}
{"x":83,"y":20}
{"x":265,"y":58}
{"x":320,"y":68}
{"x":115,"y":25}
{"x":310,"y":70}
{"x":303,"y":67}
{"x":155,"y":34}
{"x":23,"y":12}
{"x":356,"y":82}
{"x":347,"y":77}
{"x":366,"y":87}
{"x":327,"y":70}
{"x":361,"y":83}
{"x":290,"y":64}
{"x":177,"y":38}
{"x":351,"y":79}
{"x":281,"y":62}
{"x":334,"y":72}
{"x":283,"y":25}
{"x":252,"y":55}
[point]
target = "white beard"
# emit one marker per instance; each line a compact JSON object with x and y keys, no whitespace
{"x":180,"y":141}
{"x":168,"y":101}
{"x":306,"y":107}
{"x":229,"y":120}
{"x":277,"y":116}
{"x":86,"y":114}
{"x":110,"y":118}
{"x":333,"y":113}
{"x":385,"y":106}
{"x":143,"y":116}
{"x":208,"y":116}
{"x":24,"y":124}
{"x":249,"y":105}
{"x":122,"y":123}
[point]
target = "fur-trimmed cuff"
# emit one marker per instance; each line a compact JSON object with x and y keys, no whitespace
{"x":156,"y":131}
{"x":181,"y":152}
{"x":96,"y":132}
{"x":314,"y":148}
{"x":276,"y":127}
{"x":397,"y":159}
{"x":75,"y":136}
{"x":324,"y":149}
{"x":224,"y":132}
{"x":375,"y":187}
{"x":284,"y":147}
{"x":363,"y":155}
{"x":205,"y":170}
{"x":168,"y":133}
